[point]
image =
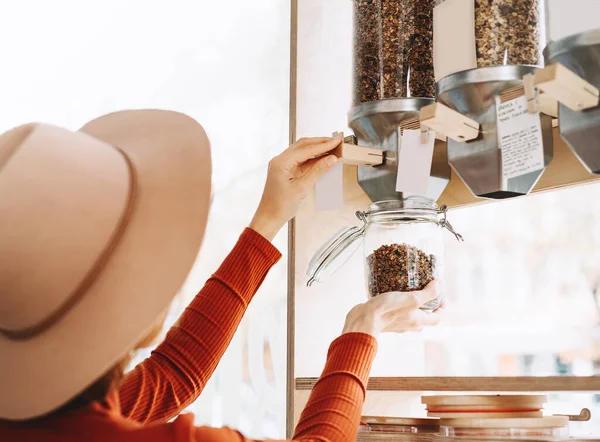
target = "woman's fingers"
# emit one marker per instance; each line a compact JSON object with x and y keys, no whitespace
{"x":310,"y":148}
{"x":391,"y":301}
{"x":303,"y":142}
{"x":396,"y":312}
{"x":318,"y":169}
{"x":431,"y":292}
{"x":426,"y":319}
{"x":414,"y":321}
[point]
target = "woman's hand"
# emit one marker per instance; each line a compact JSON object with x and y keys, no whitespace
{"x":394,"y":312}
{"x":290,"y":178}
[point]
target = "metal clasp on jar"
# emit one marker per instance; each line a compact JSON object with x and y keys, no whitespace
{"x":446,"y":224}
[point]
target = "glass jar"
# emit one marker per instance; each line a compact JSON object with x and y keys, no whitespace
{"x":546,"y":427}
{"x":399,"y":425}
{"x":393,"y":49}
{"x":402,"y":244}
{"x":506,"y":33}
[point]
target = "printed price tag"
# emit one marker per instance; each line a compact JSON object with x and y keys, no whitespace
{"x":330,"y":189}
{"x":520,"y":137}
{"x":414,"y":162}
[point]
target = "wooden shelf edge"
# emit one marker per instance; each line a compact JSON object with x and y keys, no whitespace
{"x":385,"y":437}
{"x":489,"y":384}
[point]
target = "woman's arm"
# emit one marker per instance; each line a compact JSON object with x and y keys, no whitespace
{"x":333,"y":411}
{"x":179,"y":368}
{"x":177,"y":371}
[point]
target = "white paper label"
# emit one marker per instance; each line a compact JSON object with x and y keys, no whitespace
{"x":453,"y":37}
{"x":520,"y":137}
{"x":414,"y":162}
{"x":330,"y":189}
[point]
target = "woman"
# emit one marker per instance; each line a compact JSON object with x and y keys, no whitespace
{"x":98,"y":230}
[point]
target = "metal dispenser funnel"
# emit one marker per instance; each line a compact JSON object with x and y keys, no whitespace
{"x":479,"y":162}
{"x":580,"y":129}
{"x":378,"y":124}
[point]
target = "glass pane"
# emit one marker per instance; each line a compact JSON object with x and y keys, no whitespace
{"x":227,"y":65}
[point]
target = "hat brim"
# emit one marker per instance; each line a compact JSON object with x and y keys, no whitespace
{"x":170,"y":153}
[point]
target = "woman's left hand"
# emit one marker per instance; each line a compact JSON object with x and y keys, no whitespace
{"x":290,"y":178}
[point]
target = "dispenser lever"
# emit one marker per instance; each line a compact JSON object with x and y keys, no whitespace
{"x":567,"y":87}
{"x":447,"y":121}
{"x":350,"y":153}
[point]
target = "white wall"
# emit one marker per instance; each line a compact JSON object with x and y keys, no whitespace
{"x":324,"y":99}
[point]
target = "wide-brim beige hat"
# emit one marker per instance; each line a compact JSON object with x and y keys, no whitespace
{"x":98,"y":231}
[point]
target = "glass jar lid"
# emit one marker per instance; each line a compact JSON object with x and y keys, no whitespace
{"x":335,"y":253}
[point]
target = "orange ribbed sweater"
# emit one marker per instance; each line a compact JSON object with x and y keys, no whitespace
{"x":174,"y":375}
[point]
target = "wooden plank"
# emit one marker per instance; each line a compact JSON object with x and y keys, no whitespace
{"x":358,"y":155}
{"x":567,"y":87}
{"x":547,"y":104}
{"x":487,"y":384}
{"x":449,"y":122}
{"x":564,"y":170}
{"x":415,"y":124}
{"x":387,"y":437}
{"x":291,"y":273}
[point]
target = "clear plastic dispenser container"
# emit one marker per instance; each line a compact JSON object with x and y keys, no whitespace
{"x":478,"y":33}
{"x":393,"y":49}
{"x":403,"y":247}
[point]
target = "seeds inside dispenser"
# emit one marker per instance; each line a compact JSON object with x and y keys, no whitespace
{"x":393,"y":49}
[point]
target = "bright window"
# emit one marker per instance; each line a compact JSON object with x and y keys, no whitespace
{"x":224,"y":63}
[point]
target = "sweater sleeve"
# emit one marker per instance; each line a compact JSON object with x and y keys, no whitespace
{"x":333,"y":411}
{"x":177,"y":371}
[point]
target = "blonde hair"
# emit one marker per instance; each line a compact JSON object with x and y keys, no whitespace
{"x":96,"y":392}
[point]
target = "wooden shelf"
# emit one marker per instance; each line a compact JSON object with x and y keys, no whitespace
{"x":385,"y":437}
{"x":489,"y":384}
{"x":388,"y":437}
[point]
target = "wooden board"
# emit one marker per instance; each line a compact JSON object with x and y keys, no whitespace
{"x":491,"y":384}
{"x":470,"y":402}
{"x":383,"y":437}
{"x":404,"y":421}
{"x":486,"y":415}
{"x":525,"y":423}
{"x":291,"y":274}
{"x":565,"y":170}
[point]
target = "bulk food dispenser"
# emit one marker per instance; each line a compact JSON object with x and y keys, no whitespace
{"x":393,"y":80}
{"x":482,"y":51}
{"x":574,"y":41}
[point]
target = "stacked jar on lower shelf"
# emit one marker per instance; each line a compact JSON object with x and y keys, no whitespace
{"x":480,"y":416}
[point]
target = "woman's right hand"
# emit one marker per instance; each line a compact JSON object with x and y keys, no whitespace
{"x":396,"y":312}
